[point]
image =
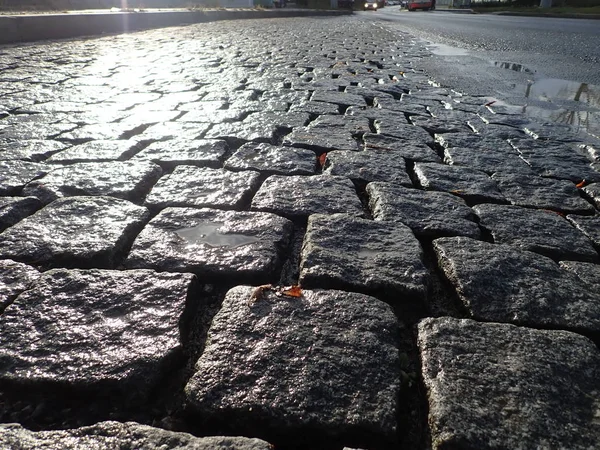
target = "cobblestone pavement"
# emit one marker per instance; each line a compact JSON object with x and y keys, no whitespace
{"x":163,"y":192}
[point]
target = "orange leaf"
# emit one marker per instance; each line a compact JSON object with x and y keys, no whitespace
{"x":581,"y":184}
{"x":292,"y":291}
{"x":322,"y":159}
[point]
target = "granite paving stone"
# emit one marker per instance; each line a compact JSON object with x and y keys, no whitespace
{"x":498,"y":283}
{"x":175,"y":152}
{"x":272,"y":159}
{"x":299,"y":196}
{"x":405,"y":131}
{"x":127,"y":180}
{"x":401,"y":106}
{"x":368,"y":165}
{"x":492,"y":386}
{"x":592,"y":192}
{"x":99,"y":131}
{"x":435,"y":125}
{"x":82,"y":328}
{"x":201,"y":186}
{"x":33,"y":150}
{"x":427,"y":213}
{"x":472,"y":185}
{"x":354,"y":254}
{"x":472,"y":141}
{"x":322,"y":365}
{"x":15,"y":174}
{"x":173,"y":130}
{"x":541,"y":231}
{"x":588,"y":272}
{"x":318,"y":108}
{"x":120,"y":435}
{"x":214,"y":244}
{"x":14,"y":209}
{"x":588,"y":225}
{"x":487,"y":160}
{"x":401,"y":147}
{"x":338,"y":98}
{"x":213,"y":115}
{"x":543,"y":193}
{"x":15,"y":277}
{"x":75,"y":231}
{"x":34,"y":130}
{"x":329,"y":132}
{"x":97,"y":151}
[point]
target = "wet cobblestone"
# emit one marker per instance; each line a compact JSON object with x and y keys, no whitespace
{"x":156,"y":189}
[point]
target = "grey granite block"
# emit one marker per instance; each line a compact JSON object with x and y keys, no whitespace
{"x":400,"y":147}
{"x":79,"y":231}
{"x":212,"y":243}
{"x":175,"y":152}
{"x":493,"y":386}
{"x":96,"y":151}
{"x":368,"y":165}
{"x":14,"y":209}
{"x":15,"y":174}
{"x":540,"y":231}
{"x":271,"y":159}
{"x":32,"y":150}
{"x":343,"y":252}
{"x":588,"y":225}
{"x":499,"y":283}
{"x":592,"y":191}
{"x":300,"y":196}
{"x":15,"y":277}
{"x":588,"y":272}
{"x":306,"y":366}
{"x":488,"y":161}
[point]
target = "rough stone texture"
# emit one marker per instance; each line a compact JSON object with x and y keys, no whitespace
{"x":270,"y":159}
{"x":498,"y":283}
{"x":15,"y":174}
{"x":473,"y":141}
{"x":368,"y":165}
{"x":79,"y":231}
{"x":323,"y":365}
{"x":400,"y":147}
{"x":13,"y":209}
{"x":537,"y":192}
{"x":473,"y":185}
{"x":488,"y":161}
{"x":117,"y":435}
{"x":83,"y":327}
{"x":30,"y":150}
{"x":540,"y":231}
{"x":200,"y":186}
{"x":588,"y":272}
{"x":300,"y":196}
{"x":224,"y":245}
{"x":592,"y":191}
{"x":15,"y":277}
{"x":343,"y":252}
{"x":165,"y":131}
{"x":494,"y":386}
{"x":589,"y":225}
{"x":329,"y":132}
{"x":405,"y":131}
{"x":168,"y":154}
{"x":427,"y":213}
{"x":127,"y":180}
{"x":95,"y":151}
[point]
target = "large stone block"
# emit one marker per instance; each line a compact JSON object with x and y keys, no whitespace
{"x":493,"y":386}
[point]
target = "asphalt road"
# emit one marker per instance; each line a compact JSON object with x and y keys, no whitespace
{"x":548,"y":66}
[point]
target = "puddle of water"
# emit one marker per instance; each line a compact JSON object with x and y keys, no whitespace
{"x":512,"y":66}
{"x":446,"y":50}
{"x":208,"y":234}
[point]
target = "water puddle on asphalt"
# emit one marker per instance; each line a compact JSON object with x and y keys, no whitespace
{"x":512,"y":66}
{"x":208,"y":233}
{"x":446,"y":50}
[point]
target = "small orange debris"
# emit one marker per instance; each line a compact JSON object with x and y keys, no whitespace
{"x":292,"y":291}
{"x":258,"y":293}
{"x":581,"y":184}
{"x":322,"y":159}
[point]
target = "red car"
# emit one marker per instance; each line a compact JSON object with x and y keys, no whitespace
{"x":425,"y":5}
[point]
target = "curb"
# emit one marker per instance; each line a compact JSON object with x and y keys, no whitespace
{"x":557,"y":16}
{"x":36,"y":27}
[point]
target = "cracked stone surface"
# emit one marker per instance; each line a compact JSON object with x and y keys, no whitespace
{"x":95,"y":151}
{"x":127,"y":180}
{"x":349,"y":253}
{"x":84,"y":327}
{"x":498,"y":283}
{"x":592,"y":191}
{"x":539,"y":231}
{"x":300,"y":196}
{"x":121,"y":435}
{"x":15,"y":174}
{"x":329,"y":132}
{"x":530,"y":383}
{"x":14,"y":209}
{"x":588,"y":225}
{"x":404,"y":131}
{"x":368,"y":165}
{"x":543,"y":193}
{"x":15,"y":277}
{"x":212,"y":243}
{"x":272,"y":160}
{"x":472,"y":185}
{"x":400,"y":147}
{"x":79,"y":231}
{"x":175,"y":152}
{"x":301,"y":364}
{"x":200,"y":187}
{"x":427,"y":213}
{"x":488,"y":161}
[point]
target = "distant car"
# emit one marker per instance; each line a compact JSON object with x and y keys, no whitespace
{"x":425,"y":5}
{"x":372,"y":5}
